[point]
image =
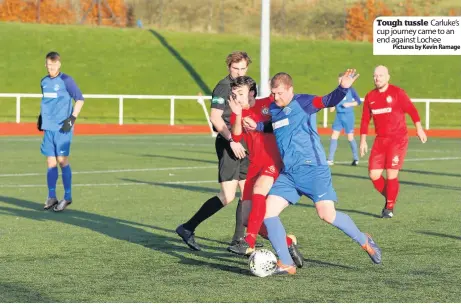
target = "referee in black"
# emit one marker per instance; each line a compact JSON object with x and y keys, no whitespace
{"x":233,"y":162}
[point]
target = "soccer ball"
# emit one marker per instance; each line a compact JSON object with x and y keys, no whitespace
{"x":262,"y":263}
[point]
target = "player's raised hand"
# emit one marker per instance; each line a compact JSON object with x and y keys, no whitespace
{"x":235,"y":106}
{"x":421,"y":134}
{"x":363,"y":148}
{"x":350,"y":76}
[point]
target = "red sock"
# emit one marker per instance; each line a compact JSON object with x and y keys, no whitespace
{"x":263,"y":233}
{"x":256,"y":218}
{"x":380,"y":185}
{"x":391,"y":192}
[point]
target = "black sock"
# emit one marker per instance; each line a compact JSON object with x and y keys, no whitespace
{"x":209,"y":208}
{"x":239,"y":226}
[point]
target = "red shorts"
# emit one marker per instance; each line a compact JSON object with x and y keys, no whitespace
{"x":388,"y":153}
{"x":254,"y":172}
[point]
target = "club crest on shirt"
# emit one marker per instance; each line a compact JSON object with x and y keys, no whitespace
{"x":265,"y":111}
{"x":287,"y":110}
{"x":389,"y":99}
{"x":56,"y":87}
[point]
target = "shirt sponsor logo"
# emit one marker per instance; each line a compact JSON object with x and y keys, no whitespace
{"x":381,"y":111}
{"x":280,"y":123}
{"x":218,"y":100}
{"x":50,"y":95}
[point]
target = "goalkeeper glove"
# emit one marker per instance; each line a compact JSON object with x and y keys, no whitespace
{"x":68,"y":124}
{"x":39,"y":123}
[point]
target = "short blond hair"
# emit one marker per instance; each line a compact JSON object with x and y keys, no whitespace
{"x":281,"y":79}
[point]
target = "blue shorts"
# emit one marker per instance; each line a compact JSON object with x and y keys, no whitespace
{"x":311,"y":181}
{"x":344,"y":121}
{"x":56,"y":143}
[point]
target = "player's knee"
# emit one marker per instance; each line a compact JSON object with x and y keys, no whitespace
{"x":63,"y":162}
{"x":326,"y":215}
{"x":374,"y":175}
{"x":226,"y":198}
{"x":350,"y":136}
{"x":51,"y":162}
{"x":326,"y":211}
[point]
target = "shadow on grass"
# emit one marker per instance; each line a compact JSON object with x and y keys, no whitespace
{"x":189,"y":68}
{"x":126,"y":231}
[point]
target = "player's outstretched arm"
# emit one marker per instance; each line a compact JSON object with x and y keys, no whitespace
{"x":410,"y":109}
{"x":312,"y":104}
{"x":364,"y":123}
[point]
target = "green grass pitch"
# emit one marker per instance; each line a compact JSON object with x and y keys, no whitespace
{"x":116,"y":242}
{"x":149,"y":62}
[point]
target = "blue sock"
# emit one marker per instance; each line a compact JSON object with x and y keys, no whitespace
{"x":51,"y":179}
{"x":353,"y":145}
{"x":278,"y":238}
{"x":347,"y":225}
{"x":67,"y":182}
{"x":333,"y":147}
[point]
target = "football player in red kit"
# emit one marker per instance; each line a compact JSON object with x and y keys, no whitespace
{"x":264,"y":168}
{"x":387,"y":104}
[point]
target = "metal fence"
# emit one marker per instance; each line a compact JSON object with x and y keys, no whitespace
{"x":200,"y":100}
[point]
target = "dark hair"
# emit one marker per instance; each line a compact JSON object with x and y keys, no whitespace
{"x":53,"y":56}
{"x":281,"y":78}
{"x":237,"y":56}
{"x":245,"y":81}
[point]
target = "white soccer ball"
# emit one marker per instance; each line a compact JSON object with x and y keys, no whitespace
{"x":262,"y":263}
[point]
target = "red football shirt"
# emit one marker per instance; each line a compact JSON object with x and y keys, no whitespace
{"x":262,"y":147}
{"x":388,"y":110}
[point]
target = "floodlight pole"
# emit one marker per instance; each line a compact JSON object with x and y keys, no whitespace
{"x":265,"y":48}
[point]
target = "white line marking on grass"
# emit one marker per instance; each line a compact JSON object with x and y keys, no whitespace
{"x":113,"y":171}
{"x":194,"y":168}
{"x":119,"y":184}
{"x":410,"y":159}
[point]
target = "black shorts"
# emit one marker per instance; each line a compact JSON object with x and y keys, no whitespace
{"x":230,"y":167}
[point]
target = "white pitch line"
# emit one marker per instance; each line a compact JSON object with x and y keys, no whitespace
{"x":117,"y":184}
{"x":198,"y":167}
{"x":410,"y":159}
{"x":113,"y":171}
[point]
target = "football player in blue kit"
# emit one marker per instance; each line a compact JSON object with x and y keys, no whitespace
{"x":57,"y":118}
{"x":305,"y":170}
{"x":345,"y":119}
